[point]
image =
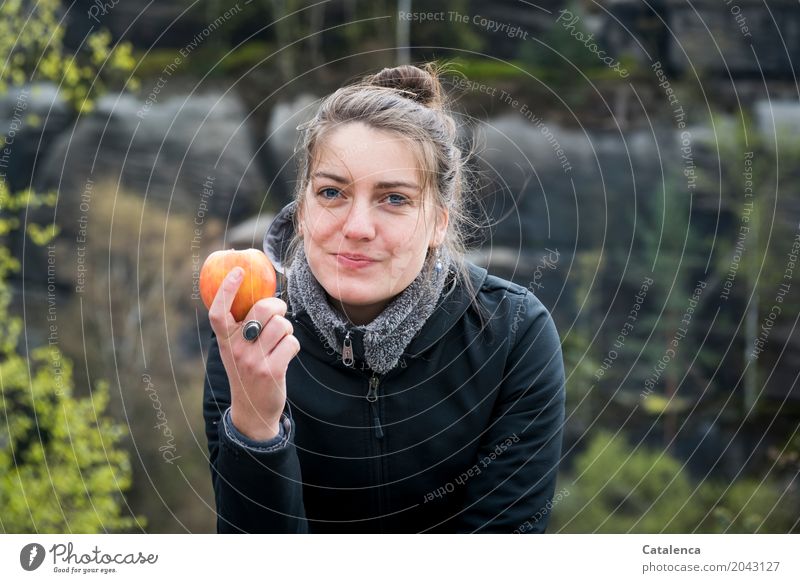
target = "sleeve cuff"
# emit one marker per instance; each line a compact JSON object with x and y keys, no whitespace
{"x":238,"y":438}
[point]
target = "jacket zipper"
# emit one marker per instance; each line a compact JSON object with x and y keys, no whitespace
{"x":372,"y":398}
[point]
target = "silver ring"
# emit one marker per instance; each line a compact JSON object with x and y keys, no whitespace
{"x":251,"y":330}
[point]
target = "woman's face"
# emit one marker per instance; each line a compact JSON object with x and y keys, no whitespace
{"x":365,"y":228}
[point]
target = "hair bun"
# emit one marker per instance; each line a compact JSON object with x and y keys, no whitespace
{"x":421,"y":85}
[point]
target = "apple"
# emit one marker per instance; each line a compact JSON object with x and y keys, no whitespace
{"x":258,"y":282}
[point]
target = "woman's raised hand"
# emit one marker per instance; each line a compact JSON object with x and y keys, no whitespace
{"x":256,"y":370}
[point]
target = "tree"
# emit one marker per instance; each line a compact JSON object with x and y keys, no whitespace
{"x":754,"y":189}
{"x":649,"y":358}
{"x":32,"y":49}
{"x":616,"y":488}
{"x":61,"y":465}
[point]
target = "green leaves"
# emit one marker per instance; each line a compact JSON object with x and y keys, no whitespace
{"x":62,"y":467}
{"x":31,"y":39}
{"x":618,"y":488}
{"x":62,"y":464}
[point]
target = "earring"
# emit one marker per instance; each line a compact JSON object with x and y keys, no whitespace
{"x":438,"y":257}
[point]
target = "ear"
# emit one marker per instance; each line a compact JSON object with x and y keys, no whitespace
{"x":440,"y":230}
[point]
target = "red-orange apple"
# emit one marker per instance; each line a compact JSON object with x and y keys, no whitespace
{"x":258,"y":282}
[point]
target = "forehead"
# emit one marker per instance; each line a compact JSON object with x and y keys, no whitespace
{"x":360,"y":152}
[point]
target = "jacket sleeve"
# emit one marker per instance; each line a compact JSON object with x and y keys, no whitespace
{"x":510,"y":487}
{"x":257,"y":485}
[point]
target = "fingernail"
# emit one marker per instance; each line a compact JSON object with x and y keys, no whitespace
{"x":237,"y":274}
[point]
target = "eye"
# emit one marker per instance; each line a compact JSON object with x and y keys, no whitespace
{"x":396,"y":199}
{"x":329,"y":193}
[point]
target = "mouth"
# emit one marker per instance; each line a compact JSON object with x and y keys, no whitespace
{"x":354,"y":260}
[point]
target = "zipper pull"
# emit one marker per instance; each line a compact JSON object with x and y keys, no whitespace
{"x":372,"y":397}
{"x":347,"y":350}
{"x":372,"y":394}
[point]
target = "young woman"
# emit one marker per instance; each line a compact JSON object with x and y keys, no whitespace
{"x":396,"y":387}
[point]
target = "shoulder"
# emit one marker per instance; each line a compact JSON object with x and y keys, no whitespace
{"x":509,"y":311}
{"x":493,"y":284}
{"x":498,"y":294}
{"x":481,"y":306}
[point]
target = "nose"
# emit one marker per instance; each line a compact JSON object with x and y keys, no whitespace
{"x":359,"y":222}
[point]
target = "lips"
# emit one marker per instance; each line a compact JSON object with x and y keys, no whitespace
{"x":355,"y":257}
{"x":354,"y":260}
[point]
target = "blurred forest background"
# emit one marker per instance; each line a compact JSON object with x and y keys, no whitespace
{"x":638,"y":166}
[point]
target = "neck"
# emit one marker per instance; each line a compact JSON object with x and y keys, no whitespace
{"x":387,"y":328}
{"x":358,"y":315}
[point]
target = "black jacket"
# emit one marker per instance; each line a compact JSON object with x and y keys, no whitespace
{"x":464,"y":435}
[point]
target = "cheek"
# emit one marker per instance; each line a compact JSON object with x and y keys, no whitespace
{"x":408,"y":256}
{"x":320,"y":225}
{"x":410,"y":239}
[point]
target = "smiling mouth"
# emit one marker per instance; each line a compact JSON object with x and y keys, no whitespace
{"x":355,"y":256}
{"x":354,"y":261}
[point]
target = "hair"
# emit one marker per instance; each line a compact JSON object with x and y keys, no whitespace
{"x":408,"y":101}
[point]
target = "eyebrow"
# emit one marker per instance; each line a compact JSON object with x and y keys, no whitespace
{"x":380,"y":185}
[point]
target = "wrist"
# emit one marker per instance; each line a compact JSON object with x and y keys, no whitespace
{"x":256,"y":428}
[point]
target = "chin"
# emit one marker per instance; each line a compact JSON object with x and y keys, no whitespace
{"x":352,"y":297}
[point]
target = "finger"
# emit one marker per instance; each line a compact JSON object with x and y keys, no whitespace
{"x":265,"y":308}
{"x":285,"y":351}
{"x":219,"y":314}
{"x":273,"y":332}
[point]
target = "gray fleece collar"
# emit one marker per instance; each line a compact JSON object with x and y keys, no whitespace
{"x":387,"y":336}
